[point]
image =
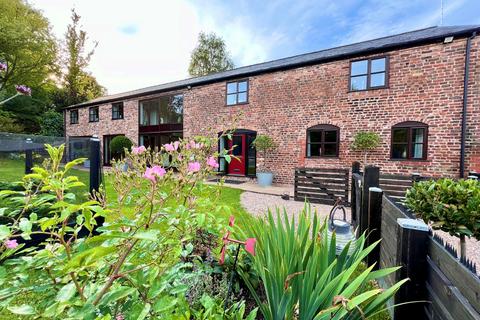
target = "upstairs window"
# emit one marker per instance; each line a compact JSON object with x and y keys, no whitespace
{"x":409,"y":141}
{"x":368,"y":74}
{"x":237,"y":92}
{"x":323,"y":141}
{"x":117,"y":110}
{"x":73,"y":116}
{"x":93,"y":114}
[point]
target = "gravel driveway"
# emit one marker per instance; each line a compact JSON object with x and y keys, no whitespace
{"x":258,"y":204}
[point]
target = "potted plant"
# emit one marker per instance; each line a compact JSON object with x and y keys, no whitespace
{"x":264,"y":144}
{"x":118,"y":146}
{"x":365,"y":141}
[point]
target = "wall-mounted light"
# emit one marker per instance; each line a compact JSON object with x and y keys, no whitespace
{"x":448,"y":39}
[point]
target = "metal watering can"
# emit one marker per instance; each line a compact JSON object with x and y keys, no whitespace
{"x":343,"y":229}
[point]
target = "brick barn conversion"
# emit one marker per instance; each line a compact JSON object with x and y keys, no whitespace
{"x":419,"y":90}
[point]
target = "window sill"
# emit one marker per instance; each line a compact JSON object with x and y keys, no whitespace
{"x":73,"y":123}
{"x":237,"y":104}
{"x":117,"y":118}
{"x":410,"y":160}
{"x":93,"y":121}
{"x":322,"y":157}
{"x":369,"y":89}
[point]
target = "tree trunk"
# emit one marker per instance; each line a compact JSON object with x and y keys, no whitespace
{"x":365,"y":159}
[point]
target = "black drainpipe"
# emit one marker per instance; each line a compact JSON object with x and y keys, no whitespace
{"x":465,"y":102}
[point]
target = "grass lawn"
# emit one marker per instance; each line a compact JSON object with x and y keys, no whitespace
{"x":13,"y":170}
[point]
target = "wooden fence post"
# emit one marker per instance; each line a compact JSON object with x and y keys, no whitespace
{"x":353,"y":194}
{"x":412,"y":257}
{"x":371,"y":178}
{"x":28,"y":156}
{"x":94,"y":164}
{"x":375,"y":196}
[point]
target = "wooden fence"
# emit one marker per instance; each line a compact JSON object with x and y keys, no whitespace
{"x":320,"y":185}
{"x":450,"y":285}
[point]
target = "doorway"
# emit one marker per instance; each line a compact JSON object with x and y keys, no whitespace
{"x":243,"y":160}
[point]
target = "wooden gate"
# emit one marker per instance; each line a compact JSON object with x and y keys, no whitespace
{"x":320,"y":185}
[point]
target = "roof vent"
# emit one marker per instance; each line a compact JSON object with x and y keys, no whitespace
{"x":448,"y":39}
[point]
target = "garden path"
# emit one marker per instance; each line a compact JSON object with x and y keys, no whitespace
{"x":258,"y":203}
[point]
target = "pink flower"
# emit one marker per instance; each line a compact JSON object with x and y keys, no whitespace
{"x":194,"y":166}
{"x":250,"y":245}
{"x":22,"y":89}
{"x":138,"y":150}
{"x":154,"y":172}
{"x":193,"y":145}
{"x":212,"y":162}
{"x":3,"y":66}
{"x":11,"y":244}
{"x":172,"y":146}
{"x":119,"y":317}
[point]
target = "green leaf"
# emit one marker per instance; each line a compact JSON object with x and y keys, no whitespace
{"x":145,"y":311}
{"x":66,"y":292}
{"x":24,"y":309}
{"x":117,"y":294}
{"x":4,"y":232}
{"x":151,"y":235}
{"x":25,"y":225}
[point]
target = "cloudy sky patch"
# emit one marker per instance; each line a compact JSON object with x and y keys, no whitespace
{"x":147,"y":42}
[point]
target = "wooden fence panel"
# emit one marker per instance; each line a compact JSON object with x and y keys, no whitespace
{"x":453,"y":291}
{"x":395,"y":186}
{"x":321,"y":185}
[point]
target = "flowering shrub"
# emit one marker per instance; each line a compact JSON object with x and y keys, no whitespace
{"x":127,"y":268}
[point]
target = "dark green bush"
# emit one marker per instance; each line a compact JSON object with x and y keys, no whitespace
{"x":451,"y":206}
{"x":119,"y":144}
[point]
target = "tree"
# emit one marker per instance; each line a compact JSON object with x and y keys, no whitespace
{"x":27,"y":45}
{"x":365,"y":141}
{"x":209,"y":56}
{"x":51,"y":123}
{"x":78,"y":84}
{"x":264,"y":144}
{"x":28,"y":52}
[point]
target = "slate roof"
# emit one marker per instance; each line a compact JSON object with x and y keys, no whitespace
{"x":406,"y":39}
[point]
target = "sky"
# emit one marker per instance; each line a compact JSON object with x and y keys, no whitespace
{"x":148,"y":42}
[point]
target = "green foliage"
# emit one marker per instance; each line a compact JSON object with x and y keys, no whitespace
{"x":304,"y":279}
{"x":450,"y":205}
{"x":26,"y":45}
{"x":264,"y":144}
{"x":366,"y":141}
{"x":119,"y":144}
{"x":209,"y":56}
{"x":51,"y":123}
{"x":8,"y":123}
{"x":133,"y":267}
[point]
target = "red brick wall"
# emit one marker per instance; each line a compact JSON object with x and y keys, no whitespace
{"x":425,"y":84}
{"x":127,"y":126}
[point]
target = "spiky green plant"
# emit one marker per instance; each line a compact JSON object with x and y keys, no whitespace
{"x":304,"y":279}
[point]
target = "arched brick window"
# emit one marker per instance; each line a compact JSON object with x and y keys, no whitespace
{"x":323,"y":141}
{"x":409,"y":141}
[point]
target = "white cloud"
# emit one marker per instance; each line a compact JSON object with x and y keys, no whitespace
{"x":165,"y":33}
{"x":148,"y":42}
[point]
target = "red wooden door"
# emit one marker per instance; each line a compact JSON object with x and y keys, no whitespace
{"x":237,"y":165}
